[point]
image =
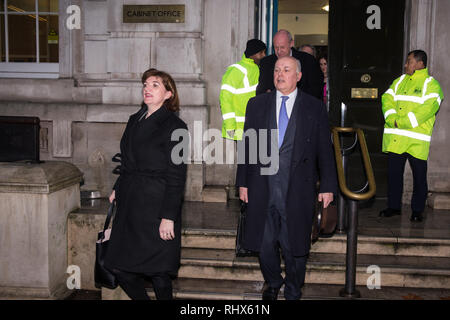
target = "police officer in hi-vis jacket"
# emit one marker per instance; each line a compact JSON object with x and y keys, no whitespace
{"x":238,"y":86}
{"x":409,"y":108}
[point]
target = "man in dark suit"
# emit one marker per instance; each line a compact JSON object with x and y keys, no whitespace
{"x":312,"y":79}
{"x":280,"y":206}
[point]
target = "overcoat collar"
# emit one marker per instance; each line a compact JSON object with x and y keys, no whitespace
{"x":149,"y":125}
{"x":159,"y":116}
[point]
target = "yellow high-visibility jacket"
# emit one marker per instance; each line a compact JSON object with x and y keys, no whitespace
{"x":238,"y":86}
{"x":412,"y":103}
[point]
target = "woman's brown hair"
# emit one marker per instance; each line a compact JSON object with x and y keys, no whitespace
{"x":173,"y":103}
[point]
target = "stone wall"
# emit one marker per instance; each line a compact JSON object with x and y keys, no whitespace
{"x":427,"y":24}
{"x":83,"y":114}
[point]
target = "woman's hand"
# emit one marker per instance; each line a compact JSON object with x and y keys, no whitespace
{"x":166,"y":231}
{"x":112,"y":197}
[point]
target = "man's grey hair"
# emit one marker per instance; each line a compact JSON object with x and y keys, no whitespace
{"x":287,"y":33}
{"x":309,"y":46}
{"x":299,"y":65}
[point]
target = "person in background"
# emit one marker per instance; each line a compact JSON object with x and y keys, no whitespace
{"x":308,"y":49}
{"x":312,"y":79}
{"x":323,"y":62}
{"x":146,"y":233}
{"x":238,"y":86}
{"x":409,"y":108}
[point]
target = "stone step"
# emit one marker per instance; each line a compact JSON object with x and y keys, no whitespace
{"x":250,"y":290}
{"x":211,"y":289}
{"x":376,"y":245}
{"x":322,"y":268}
{"x":214,"y":194}
{"x":84,"y":225}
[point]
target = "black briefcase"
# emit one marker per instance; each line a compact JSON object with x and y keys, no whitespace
{"x":325,"y":221}
{"x":240,"y":250}
{"x":102,"y":276}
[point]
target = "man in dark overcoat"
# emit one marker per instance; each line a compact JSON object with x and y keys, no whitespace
{"x":281,"y":206}
{"x":312,"y":77}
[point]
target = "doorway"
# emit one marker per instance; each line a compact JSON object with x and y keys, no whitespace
{"x":366,"y":55}
{"x":363,"y":41}
{"x":306,"y":20}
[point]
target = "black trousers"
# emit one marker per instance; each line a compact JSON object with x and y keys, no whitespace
{"x":396,"y":168}
{"x":134,"y":285}
{"x":276,"y":237}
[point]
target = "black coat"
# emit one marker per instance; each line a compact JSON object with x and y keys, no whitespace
{"x":312,"y":77}
{"x":312,"y":158}
{"x":150,"y":187}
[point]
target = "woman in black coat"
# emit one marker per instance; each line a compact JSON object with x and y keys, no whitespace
{"x":146,"y":234}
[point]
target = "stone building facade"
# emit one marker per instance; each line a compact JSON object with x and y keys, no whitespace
{"x":84,"y":108}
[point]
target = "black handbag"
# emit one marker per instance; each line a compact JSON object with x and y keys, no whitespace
{"x":240,"y":251}
{"x":102,"y":276}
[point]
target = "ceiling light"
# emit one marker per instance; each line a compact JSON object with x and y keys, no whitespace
{"x":326,"y":8}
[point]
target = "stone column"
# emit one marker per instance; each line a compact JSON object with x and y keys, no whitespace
{"x":36,"y":200}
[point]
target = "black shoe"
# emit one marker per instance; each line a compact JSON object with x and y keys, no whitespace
{"x":416,"y":216}
{"x":270,"y":293}
{"x":390,"y":212}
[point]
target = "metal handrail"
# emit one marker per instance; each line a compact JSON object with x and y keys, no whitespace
{"x":367,"y":164}
{"x":349,"y":290}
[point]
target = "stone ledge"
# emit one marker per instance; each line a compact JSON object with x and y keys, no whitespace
{"x":439,"y":201}
{"x":43,"y":178}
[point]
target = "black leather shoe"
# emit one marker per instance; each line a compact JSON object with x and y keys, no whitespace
{"x":390,"y":212}
{"x":416,"y":217}
{"x":270,"y":293}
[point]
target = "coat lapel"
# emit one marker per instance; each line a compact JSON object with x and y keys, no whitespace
{"x":271,"y":120}
{"x":303,"y":130}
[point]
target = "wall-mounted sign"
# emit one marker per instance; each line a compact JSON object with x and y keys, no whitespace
{"x":364,"y":93}
{"x":153,"y":13}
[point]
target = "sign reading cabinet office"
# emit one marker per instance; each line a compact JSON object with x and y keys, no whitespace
{"x":153,"y":13}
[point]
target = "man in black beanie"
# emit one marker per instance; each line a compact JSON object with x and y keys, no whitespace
{"x":255,"y":50}
{"x":239,"y":85}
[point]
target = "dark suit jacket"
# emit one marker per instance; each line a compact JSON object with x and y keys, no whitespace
{"x":312,"y":158}
{"x":312,"y":77}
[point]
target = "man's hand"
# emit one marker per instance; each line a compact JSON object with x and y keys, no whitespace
{"x":326,"y":198}
{"x":243,"y":194}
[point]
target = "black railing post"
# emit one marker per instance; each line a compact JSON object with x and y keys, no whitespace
{"x":349,"y":291}
{"x":341,"y":227}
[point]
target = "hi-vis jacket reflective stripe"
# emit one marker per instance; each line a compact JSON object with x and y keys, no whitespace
{"x":411,"y":102}
{"x":238,"y":86}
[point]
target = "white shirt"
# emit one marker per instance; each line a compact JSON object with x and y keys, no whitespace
{"x":289,"y":103}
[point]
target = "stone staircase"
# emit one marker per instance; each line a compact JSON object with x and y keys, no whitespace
{"x":410,"y":268}
{"x":403,"y":263}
